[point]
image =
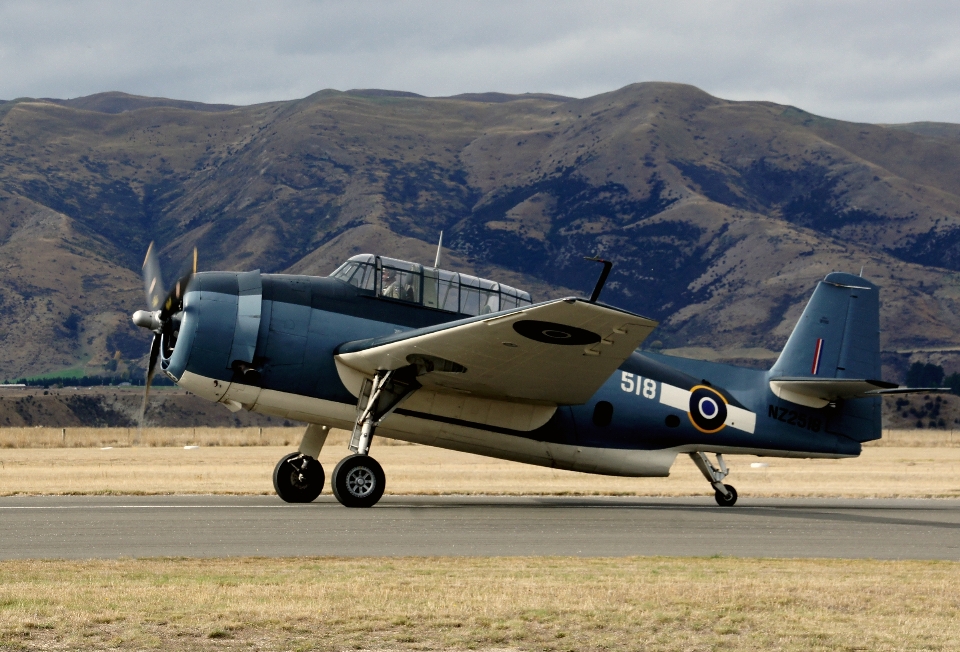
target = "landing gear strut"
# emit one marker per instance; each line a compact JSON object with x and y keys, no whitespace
{"x":725,"y":494}
{"x":359,"y":480}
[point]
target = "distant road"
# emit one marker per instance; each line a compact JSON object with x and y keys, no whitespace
{"x":208,"y":526}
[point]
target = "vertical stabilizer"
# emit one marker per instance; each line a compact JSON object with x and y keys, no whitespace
{"x":838,"y":335}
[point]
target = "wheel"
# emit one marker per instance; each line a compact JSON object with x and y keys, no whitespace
{"x":723,"y":501}
{"x":358,"y":481}
{"x":298,"y":478}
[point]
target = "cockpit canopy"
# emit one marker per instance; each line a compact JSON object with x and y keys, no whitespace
{"x":430,"y":287}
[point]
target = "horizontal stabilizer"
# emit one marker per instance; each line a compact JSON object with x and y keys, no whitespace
{"x":817,"y":393}
{"x":913,"y":390}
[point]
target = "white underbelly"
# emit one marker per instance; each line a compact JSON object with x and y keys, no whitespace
{"x":456,"y":436}
{"x":431,"y":432}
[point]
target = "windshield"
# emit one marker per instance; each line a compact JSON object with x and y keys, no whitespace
{"x":358,"y":273}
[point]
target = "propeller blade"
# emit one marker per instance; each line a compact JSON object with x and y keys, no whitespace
{"x":152,"y":281}
{"x":174,"y":301}
{"x":163,"y":305}
{"x":151,"y":370}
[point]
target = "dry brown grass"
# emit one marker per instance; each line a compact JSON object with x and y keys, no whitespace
{"x":40,"y":437}
{"x":918,"y":438}
{"x":480,"y":603}
{"x":878,"y":472}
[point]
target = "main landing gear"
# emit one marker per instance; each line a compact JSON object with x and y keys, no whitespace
{"x":725,"y":494}
{"x":358,"y":480}
{"x":298,"y":477}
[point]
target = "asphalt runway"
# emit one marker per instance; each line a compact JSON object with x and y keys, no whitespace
{"x":213,"y":526}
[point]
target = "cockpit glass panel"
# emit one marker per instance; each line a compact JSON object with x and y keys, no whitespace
{"x":469,"y":295}
{"x":508,"y":297}
{"x":431,"y":286}
{"x":400,"y":284}
{"x":448,"y":291}
{"x":489,"y":302}
{"x":358,"y":271}
{"x":363,"y":277}
{"x":441,"y":290}
{"x":489,"y":297}
{"x":345,"y":271}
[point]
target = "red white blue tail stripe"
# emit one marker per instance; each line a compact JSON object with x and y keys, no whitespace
{"x":815,"y":369}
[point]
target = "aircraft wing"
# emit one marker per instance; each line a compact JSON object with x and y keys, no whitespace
{"x":558,"y":352}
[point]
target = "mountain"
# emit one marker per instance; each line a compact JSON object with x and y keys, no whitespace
{"x":120,"y":102}
{"x":720,"y":216}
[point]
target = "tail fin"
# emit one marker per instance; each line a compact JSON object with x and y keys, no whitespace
{"x":838,"y":335}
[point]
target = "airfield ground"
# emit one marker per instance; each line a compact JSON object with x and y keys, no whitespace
{"x":531,"y":603}
{"x":910,"y":464}
{"x":431,"y":603}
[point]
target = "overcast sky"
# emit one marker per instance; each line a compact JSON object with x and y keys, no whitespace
{"x":867,"y":61}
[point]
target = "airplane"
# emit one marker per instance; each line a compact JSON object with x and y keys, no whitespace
{"x":430,"y":356}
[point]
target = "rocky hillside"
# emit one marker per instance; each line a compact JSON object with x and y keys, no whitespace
{"x":118,"y":407}
{"x":720,"y":216}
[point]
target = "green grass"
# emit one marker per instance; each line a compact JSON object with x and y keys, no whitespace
{"x":72,"y":372}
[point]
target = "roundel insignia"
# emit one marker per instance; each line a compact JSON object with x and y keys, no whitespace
{"x":551,"y":333}
{"x":707,"y":410}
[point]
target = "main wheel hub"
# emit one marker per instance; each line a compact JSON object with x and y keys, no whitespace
{"x":361,"y":481}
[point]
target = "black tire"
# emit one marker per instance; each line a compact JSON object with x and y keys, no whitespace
{"x":358,"y":481}
{"x":723,"y":501}
{"x":298,"y":478}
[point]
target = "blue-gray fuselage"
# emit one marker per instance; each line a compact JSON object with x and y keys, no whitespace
{"x":273,"y":339}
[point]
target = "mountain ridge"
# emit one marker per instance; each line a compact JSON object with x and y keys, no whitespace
{"x":720,"y":215}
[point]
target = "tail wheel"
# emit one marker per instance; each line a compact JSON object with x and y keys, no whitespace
{"x":358,"y":481}
{"x":298,"y":478}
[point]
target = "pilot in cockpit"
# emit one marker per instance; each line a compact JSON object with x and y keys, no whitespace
{"x":394,"y":287}
{"x":389,"y":284}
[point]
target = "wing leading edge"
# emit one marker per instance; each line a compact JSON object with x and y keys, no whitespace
{"x":554,"y":353}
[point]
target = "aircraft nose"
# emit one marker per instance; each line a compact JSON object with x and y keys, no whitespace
{"x":220,"y":325}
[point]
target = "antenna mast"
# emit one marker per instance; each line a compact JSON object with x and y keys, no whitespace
{"x":603,"y":276}
{"x":436,"y":263}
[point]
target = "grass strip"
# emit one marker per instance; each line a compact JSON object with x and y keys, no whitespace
{"x":527,"y":603}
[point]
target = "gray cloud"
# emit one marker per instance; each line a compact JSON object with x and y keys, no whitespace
{"x":864,"y":61}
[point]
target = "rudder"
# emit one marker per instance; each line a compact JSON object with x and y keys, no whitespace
{"x":838,"y":334}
